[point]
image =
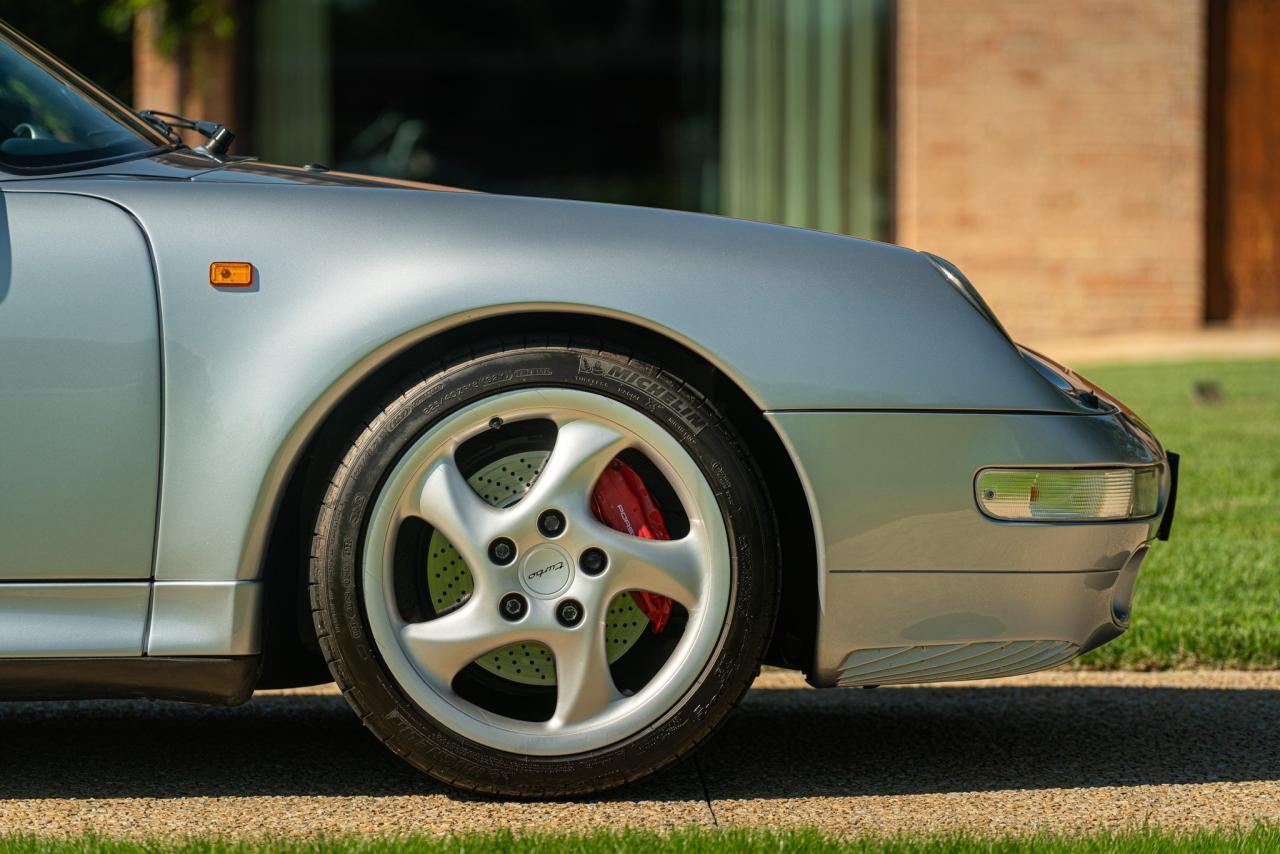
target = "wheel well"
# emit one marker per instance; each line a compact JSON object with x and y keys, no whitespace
{"x":291,"y":654}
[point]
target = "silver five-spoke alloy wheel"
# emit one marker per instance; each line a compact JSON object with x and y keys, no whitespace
{"x":528,"y":585}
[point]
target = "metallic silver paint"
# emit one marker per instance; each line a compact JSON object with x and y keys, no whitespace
{"x":205,"y":618}
{"x":72,"y":619}
{"x":1122,"y":594}
{"x":871,"y":610}
{"x":906,"y":556}
{"x":79,"y":391}
{"x":894,"y":491}
{"x":350,"y":276}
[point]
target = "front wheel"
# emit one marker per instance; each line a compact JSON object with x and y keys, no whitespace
{"x":544,"y":571}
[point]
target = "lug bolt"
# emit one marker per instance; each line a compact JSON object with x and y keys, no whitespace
{"x":551,"y":523}
{"x":502,"y":551}
{"x":593,"y":561}
{"x":569,"y":613}
{"x":512,"y":606}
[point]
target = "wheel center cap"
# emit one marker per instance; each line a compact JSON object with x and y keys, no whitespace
{"x":546,"y":570}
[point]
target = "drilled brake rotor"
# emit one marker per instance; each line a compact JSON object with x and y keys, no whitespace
{"x":449,"y":582}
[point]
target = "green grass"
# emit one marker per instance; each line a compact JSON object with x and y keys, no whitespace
{"x":1210,"y":597}
{"x":1260,"y":838}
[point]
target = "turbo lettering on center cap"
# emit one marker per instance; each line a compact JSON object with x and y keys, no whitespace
{"x":546,"y":570}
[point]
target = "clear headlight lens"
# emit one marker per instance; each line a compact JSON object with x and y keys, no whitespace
{"x":1064,"y":495}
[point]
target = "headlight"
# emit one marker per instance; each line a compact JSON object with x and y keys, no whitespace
{"x":1069,"y":495}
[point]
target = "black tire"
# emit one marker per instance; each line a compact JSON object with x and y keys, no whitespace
{"x":339,"y":612}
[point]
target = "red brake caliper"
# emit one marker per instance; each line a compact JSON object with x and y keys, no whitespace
{"x":622,"y":502}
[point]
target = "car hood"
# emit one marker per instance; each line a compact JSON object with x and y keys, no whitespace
{"x":255,"y":172}
{"x":186,"y":166}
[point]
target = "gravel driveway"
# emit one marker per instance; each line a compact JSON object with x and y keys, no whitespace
{"x":1060,"y":750}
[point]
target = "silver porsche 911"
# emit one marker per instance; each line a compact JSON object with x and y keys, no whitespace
{"x":540,"y":484}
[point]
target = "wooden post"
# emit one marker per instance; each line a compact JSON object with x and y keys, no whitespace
{"x":1243,"y":171}
{"x":194,"y":78}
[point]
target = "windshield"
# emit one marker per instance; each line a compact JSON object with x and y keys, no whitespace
{"x":51,"y":118}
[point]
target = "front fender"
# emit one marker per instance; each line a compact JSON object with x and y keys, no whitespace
{"x":346,"y":278}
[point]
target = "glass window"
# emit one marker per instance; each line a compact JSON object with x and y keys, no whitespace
{"x":581,"y":99}
{"x":50,"y":118}
{"x":760,"y":109}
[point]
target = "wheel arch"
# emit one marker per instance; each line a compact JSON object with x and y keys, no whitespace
{"x":291,"y":653}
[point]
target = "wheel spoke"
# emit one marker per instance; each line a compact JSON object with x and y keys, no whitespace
{"x":445,"y":645}
{"x":582,"y":450}
{"x":672,"y":568}
{"x":453,"y":508}
{"x":584,"y":685}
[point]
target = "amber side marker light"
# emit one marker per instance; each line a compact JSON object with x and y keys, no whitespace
{"x":231,"y":274}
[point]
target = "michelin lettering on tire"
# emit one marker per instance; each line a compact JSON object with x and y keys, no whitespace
{"x":654,"y":388}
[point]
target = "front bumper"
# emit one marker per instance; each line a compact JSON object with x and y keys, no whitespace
{"x":929,"y":627}
{"x":914,"y":577}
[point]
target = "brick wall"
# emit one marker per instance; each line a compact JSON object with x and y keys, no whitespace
{"x":1054,"y":151}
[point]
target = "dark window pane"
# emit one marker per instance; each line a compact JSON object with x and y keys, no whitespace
{"x":607,"y":101}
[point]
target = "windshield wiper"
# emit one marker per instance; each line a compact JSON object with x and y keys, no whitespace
{"x":218,"y":137}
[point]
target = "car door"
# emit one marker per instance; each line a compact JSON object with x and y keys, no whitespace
{"x":80,"y":425}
